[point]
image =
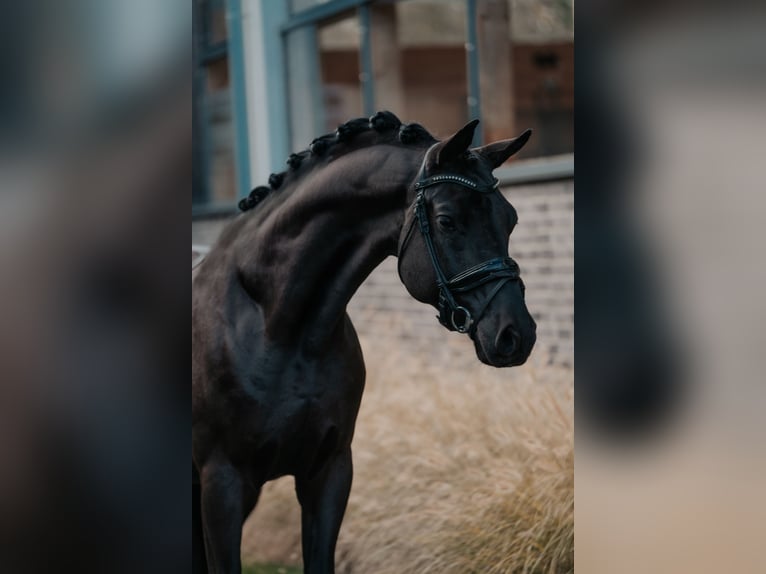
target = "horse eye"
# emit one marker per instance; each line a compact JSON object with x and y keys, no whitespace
{"x":445,"y":222}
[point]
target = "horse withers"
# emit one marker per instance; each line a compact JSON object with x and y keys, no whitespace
{"x":277,"y":370}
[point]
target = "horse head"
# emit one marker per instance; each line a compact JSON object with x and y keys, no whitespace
{"x":453,"y":249}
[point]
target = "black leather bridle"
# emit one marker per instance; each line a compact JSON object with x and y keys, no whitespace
{"x":453,"y":316}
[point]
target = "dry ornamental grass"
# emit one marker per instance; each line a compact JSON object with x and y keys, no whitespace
{"x":458,"y":468}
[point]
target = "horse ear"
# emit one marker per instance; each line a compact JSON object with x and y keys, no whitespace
{"x":498,"y":152}
{"x":452,"y":148}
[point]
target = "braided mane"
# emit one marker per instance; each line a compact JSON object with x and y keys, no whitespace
{"x":384,"y":124}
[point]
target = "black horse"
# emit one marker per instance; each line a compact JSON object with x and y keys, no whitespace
{"x":278,"y":372}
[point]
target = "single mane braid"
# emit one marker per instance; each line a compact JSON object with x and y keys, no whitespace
{"x":351,"y":128}
{"x":255,"y":197}
{"x":276,"y":179}
{"x":383,"y":123}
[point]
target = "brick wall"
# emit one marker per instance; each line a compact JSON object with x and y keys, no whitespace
{"x":542,"y":244}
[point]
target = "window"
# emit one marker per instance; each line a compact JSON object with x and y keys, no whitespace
{"x":324,"y":77}
{"x":313,"y":64}
{"x":542,"y":43}
{"x":419,"y":62}
{"x":438,"y":62}
{"x":339,"y":45}
{"x":214,"y":166}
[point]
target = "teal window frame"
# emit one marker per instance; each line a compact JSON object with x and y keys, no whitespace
{"x":312,"y":17}
{"x":277,"y":23}
{"x":204,"y":53}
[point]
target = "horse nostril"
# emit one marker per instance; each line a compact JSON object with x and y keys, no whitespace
{"x":507,"y":341}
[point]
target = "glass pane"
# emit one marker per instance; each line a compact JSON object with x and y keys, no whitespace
{"x":542,"y":38}
{"x":525,"y":59}
{"x":339,"y":43}
{"x":418,"y":52}
{"x":216,"y":21}
{"x":220,"y":132}
{"x":305,"y":101}
{"x":323,"y":78}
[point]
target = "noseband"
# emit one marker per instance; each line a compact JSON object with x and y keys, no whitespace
{"x":453,"y":316}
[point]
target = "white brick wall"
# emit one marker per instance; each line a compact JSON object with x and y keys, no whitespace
{"x":542,"y":244}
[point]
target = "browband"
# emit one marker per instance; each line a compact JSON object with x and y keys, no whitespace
{"x":458,"y":179}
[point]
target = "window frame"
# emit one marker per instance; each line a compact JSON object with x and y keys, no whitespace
{"x":528,"y":170}
{"x":205,"y":53}
{"x":525,"y":171}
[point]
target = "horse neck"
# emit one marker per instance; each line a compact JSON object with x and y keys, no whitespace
{"x":330,"y":231}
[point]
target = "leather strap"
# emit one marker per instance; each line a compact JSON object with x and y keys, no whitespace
{"x":423,"y":183}
{"x":501,"y":269}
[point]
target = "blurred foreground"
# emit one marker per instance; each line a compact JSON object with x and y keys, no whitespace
{"x":458,"y":467}
{"x":95,"y":158}
{"x":669,"y":279}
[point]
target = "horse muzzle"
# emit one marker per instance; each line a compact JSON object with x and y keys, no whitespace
{"x":510,"y":347}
